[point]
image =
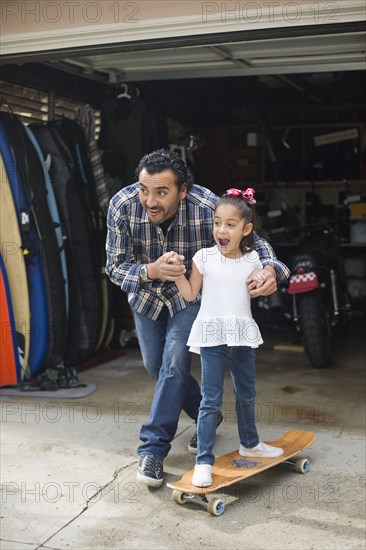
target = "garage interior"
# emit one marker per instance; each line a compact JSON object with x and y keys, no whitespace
{"x":282,"y":112}
{"x":242,"y":112}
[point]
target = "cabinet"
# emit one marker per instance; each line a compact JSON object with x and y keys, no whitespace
{"x":313,"y":152}
{"x":245,"y":154}
{"x":252,"y":155}
{"x":233,"y":155}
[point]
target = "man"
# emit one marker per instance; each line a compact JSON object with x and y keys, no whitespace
{"x":164,"y":211}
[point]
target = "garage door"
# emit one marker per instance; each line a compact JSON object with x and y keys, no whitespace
{"x":160,"y":40}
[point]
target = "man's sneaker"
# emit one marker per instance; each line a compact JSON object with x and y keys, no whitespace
{"x":192,"y":445}
{"x":202,"y":475}
{"x":150,"y":470}
{"x":261,"y":450}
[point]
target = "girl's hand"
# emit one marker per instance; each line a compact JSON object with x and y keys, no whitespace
{"x":269,"y":286}
{"x":258,"y":276}
{"x":173,"y":258}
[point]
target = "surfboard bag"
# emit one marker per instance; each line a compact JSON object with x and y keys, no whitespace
{"x":33,"y":183}
{"x":84,"y":116}
{"x":53,"y":208}
{"x":83,"y":311}
{"x":74,"y":137}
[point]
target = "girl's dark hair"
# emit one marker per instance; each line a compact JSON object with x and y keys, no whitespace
{"x":164,"y":159}
{"x":247,"y":213}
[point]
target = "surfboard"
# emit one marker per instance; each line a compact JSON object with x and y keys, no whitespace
{"x":10,"y":370}
{"x":38,"y":330}
{"x":49,"y":343}
{"x":13,"y":259}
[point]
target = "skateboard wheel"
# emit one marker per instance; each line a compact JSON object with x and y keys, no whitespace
{"x":302,"y":465}
{"x":216,"y":507}
{"x":178,"y":497}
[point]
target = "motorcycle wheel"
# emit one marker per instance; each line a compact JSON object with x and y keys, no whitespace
{"x":315,"y":329}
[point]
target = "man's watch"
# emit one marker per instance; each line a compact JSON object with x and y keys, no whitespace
{"x":143,"y":273}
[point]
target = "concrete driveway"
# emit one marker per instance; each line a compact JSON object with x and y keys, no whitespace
{"x":68,"y":466}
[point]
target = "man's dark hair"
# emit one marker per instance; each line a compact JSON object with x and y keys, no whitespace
{"x":163,"y":159}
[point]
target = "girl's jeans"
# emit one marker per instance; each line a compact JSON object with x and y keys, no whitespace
{"x":166,"y":356}
{"x":242,"y":366}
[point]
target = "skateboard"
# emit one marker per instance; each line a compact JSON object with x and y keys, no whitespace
{"x":232,"y":468}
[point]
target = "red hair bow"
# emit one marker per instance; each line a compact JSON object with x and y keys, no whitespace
{"x":247,"y":194}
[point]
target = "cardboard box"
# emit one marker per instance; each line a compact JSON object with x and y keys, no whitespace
{"x":358,"y":210}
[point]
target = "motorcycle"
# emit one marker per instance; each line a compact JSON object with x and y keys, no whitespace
{"x":321,"y":304}
{"x":314,"y":301}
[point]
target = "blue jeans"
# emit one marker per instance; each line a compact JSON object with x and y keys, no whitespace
{"x":163,"y":345}
{"x":242,"y":366}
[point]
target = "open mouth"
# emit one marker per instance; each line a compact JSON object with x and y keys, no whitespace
{"x":153,"y":212}
{"x":223,"y":242}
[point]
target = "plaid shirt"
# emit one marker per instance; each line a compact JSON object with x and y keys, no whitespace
{"x":133,"y":240}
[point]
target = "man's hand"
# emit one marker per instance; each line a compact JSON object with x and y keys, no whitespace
{"x":169,"y":267}
{"x":173,"y":258}
{"x":266,"y":286}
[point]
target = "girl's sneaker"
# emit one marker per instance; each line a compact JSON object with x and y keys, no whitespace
{"x":202,"y":475}
{"x":261,"y":450}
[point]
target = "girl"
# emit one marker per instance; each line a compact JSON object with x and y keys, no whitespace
{"x":224,"y":329}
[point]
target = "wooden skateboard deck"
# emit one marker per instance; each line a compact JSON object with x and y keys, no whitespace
{"x":232,"y":467}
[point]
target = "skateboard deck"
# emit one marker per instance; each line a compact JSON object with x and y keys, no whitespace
{"x":232,"y":468}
